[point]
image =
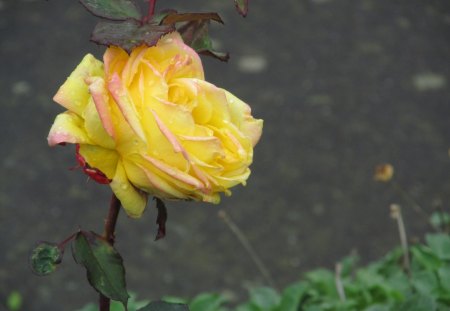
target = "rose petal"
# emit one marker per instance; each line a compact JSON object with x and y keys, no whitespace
{"x":126,"y":105}
{"x":144,"y":176}
{"x":241,"y":116}
{"x":115,"y":59}
{"x":74,"y":93}
{"x":99,"y":93}
{"x":133,"y":200}
{"x":94,"y":127}
{"x":100,"y":158}
{"x":67,"y":128}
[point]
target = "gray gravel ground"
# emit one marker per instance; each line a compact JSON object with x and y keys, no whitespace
{"x":341,"y":85}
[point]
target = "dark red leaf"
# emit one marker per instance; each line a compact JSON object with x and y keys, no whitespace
{"x":242,"y":6}
{"x":129,"y":34}
{"x":117,"y":10}
{"x":189,"y":17}
{"x":195,"y":34}
{"x":161,"y":219}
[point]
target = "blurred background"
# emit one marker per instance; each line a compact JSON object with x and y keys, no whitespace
{"x":342,"y":85}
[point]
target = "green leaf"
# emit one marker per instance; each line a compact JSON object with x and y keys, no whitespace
{"x":291,"y":296}
{"x":103,"y":264}
{"x":117,"y":10}
{"x":418,"y":303}
{"x":440,"y":244}
{"x":265,"y":298}
{"x":242,"y":7}
{"x":207,"y":302}
{"x":444,"y":277}
{"x":14,"y":301}
{"x":378,"y":307}
{"x":247,"y":307}
{"x":425,"y":257}
{"x":164,"y":306}
{"x":45,"y":257}
{"x":129,"y":34}
{"x":195,"y":34}
{"x":425,"y":282}
{"x":440,"y":220}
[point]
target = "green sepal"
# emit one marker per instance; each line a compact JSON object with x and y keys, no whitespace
{"x":45,"y":257}
{"x":104,"y":265}
{"x":118,"y":10}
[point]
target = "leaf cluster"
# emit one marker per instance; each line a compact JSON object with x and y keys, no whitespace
{"x":123,"y":24}
{"x":383,"y":285}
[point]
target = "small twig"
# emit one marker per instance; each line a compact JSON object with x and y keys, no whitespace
{"x":338,"y":280}
{"x":110,"y":227}
{"x":246,"y":244}
{"x":397,"y":215}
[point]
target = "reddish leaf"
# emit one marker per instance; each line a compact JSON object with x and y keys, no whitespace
{"x":129,"y":34}
{"x":161,"y":219}
{"x":118,"y":10}
{"x":189,"y":17}
{"x":196,"y":35}
{"x":242,"y":7}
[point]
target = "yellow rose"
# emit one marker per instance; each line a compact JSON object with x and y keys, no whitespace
{"x":149,"y":124}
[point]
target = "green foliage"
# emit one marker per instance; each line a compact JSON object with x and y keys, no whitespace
{"x":164,"y":306}
{"x":14,"y":301}
{"x":45,"y":257}
{"x":103,"y":264}
{"x":383,"y":285}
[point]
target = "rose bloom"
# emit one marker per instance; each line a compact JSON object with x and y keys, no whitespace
{"x":149,"y":124}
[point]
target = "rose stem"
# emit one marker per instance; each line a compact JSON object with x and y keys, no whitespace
{"x":110,"y":226}
{"x":151,"y":10}
{"x":246,"y":244}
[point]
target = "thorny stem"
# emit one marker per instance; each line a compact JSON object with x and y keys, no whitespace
{"x":110,"y":227}
{"x":245,"y":243}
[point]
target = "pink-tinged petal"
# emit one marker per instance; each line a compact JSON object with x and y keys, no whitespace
{"x":206,"y":149}
{"x":177,"y":147}
{"x":67,"y":128}
{"x":175,"y":173}
{"x":94,"y":127}
{"x":197,"y":67}
{"x":241,"y":116}
{"x":143,"y":175}
{"x":126,"y":105}
{"x":74,"y":93}
{"x":99,"y":93}
{"x":130,"y":69}
{"x":253,"y":129}
{"x":115,"y":59}
{"x":132,"y":199}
